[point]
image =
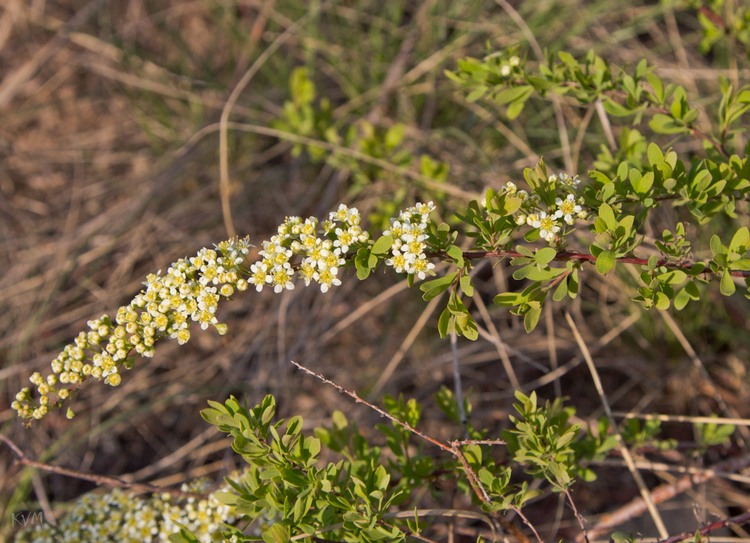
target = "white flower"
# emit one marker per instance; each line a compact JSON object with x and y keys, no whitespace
{"x":567,"y":208}
{"x":547,"y":227}
{"x":259,"y":275}
{"x":397,"y":261}
{"x":421,"y":267}
{"x":281,"y":277}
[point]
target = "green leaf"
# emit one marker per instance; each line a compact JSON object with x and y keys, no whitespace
{"x":303,"y":90}
{"x":679,"y":103}
{"x":435,"y":287}
{"x":509,"y":299}
{"x":599,"y":177}
{"x":531,"y":318}
{"x":561,"y":291}
{"x":382,"y":245}
{"x":568,"y":59}
{"x":455,"y":252}
{"x":605,"y":262}
{"x":544,"y":256}
{"x":740,"y":239}
{"x":512,"y":204}
{"x":655,"y":155}
{"x":727,"y":286}
{"x":362,"y":263}
{"x":466,"y":285}
{"x":394,"y":136}
{"x":515,"y":109}
{"x":615,"y":108}
{"x":664,"y":124}
{"x":662,"y":301}
{"x":573,"y":284}
{"x":533,"y":273}
{"x":277,"y":533}
{"x":681,"y":300}
{"x":717,"y":248}
{"x":469,"y":330}
{"x":608,"y":216}
{"x":444,"y":322}
{"x":658,"y":86}
{"x":673,"y":277}
{"x":641,"y":182}
{"x":477,"y":93}
{"x":513,"y":94}
{"x":623,"y":170}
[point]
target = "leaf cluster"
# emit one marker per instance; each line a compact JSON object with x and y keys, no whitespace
{"x":284,"y":491}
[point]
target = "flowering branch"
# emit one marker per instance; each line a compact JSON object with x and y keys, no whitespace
{"x":313,"y":251}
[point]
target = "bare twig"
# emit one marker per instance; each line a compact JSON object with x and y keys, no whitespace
{"x":101,"y":480}
{"x":666,"y":492}
{"x":13,"y":83}
{"x":744,"y":518}
{"x":357,"y":155}
{"x":224,"y":184}
{"x":404,"y":347}
{"x":555,"y":99}
{"x":398,"y":66}
{"x":578,"y":515}
{"x":645,"y":494}
{"x":358,"y":399}
{"x":453,"y":448}
{"x":606,"y":126}
{"x":458,"y":387}
{"x":493,"y":336}
{"x":744,"y":434}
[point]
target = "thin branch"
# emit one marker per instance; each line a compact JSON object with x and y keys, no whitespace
{"x":358,"y":399}
{"x":457,"y":385}
{"x":12,"y":83}
{"x":662,"y":493}
{"x":554,"y":98}
{"x":578,"y":515}
{"x":101,"y":480}
{"x":357,"y":155}
{"x":224,"y":183}
{"x":453,"y":448}
{"x":564,"y":256}
{"x":645,"y":494}
{"x":744,"y":518}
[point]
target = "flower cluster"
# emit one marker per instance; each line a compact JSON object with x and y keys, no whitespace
{"x":321,"y":257}
{"x":191,"y":289}
{"x":409,"y":232}
{"x":189,"y":292}
{"x":119,"y":516}
{"x":513,"y":62}
{"x":549,"y":219}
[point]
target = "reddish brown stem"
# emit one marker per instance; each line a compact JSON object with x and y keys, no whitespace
{"x":739,"y":519}
{"x":101,"y":480}
{"x":586,"y":257}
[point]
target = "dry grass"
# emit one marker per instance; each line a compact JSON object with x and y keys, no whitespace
{"x":109,"y":170}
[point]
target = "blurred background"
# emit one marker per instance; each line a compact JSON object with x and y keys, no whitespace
{"x":110,"y":169}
